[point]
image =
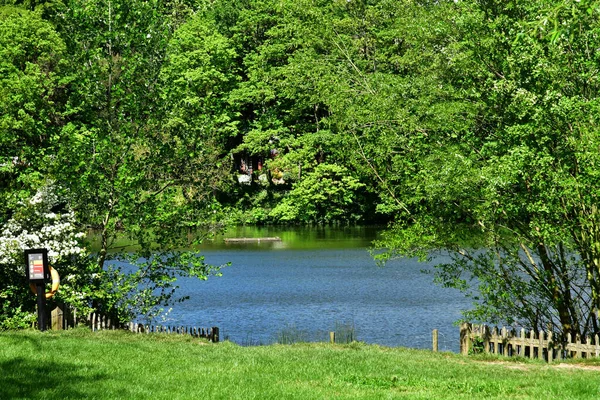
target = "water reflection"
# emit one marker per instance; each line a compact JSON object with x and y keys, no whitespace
{"x":317,"y":237}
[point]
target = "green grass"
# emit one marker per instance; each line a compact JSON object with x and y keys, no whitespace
{"x":117,"y":365}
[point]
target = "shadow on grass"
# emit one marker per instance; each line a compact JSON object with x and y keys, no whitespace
{"x":34,"y":342}
{"x":26,"y":379}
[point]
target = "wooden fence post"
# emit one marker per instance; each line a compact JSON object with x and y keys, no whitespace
{"x":485,"y":331}
{"x":531,"y":340}
{"x":434,"y":335}
{"x":541,"y":345}
{"x":504,"y":342}
{"x":495,"y":338}
{"x":588,"y":341}
{"x":215,"y":334}
{"x":523,"y":342}
{"x":332,"y":337}
{"x":550,"y":347}
{"x":465,"y":338}
{"x":57,"y":318}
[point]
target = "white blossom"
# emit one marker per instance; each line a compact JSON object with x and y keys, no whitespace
{"x":40,"y":228}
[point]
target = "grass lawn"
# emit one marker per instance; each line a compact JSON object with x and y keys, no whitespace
{"x":80,"y":364}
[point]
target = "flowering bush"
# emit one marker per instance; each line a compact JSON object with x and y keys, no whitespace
{"x":36,"y":225}
{"x":43,"y":221}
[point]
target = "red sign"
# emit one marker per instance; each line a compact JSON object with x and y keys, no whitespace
{"x":38,"y":266}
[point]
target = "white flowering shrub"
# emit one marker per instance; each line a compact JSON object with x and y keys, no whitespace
{"x":41,"y":222}
{"x":37,"y":226}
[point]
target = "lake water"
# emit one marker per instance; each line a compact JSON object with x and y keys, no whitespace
{"x":312,"y":281}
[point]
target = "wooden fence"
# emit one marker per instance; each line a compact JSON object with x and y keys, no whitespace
{"x":211,"y":334}
{"x":66,"y":318}
{"x":541,"y":345}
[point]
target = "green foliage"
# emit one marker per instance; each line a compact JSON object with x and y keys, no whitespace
{"x":134,"y":170}
{"x":132,"y":287}
{"x":328,"y":194}
{"x":12,"y":316}
{"x":506,"y":148}
{"x":31,"y":69}
{"x":477,"y":346}
{"x":197,"y":75}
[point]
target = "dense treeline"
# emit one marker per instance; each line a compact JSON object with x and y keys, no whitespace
{"x":251,"y":99}
{"x":445,"y":119}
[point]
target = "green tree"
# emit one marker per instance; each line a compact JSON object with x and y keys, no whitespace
{"x":327,"y":194}
{"x":517,"y":164}
{"x":33,"y":85}
{"x":82,"y":113}
{"x":32,"y":71}
{"x":196,"y":78}
{"x":125,"y":171}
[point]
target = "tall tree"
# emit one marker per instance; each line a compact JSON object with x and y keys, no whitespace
{"x":196,"y":78}
{"x":123,"y":171}
{"x":32,"y":68}
{"x":32,"y":73}
{"x":518,"y":164}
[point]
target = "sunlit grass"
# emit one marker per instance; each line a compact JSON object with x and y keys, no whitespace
{"x":109,"y":365}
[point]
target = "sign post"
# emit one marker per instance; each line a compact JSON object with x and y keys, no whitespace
{"x":38,"y":273}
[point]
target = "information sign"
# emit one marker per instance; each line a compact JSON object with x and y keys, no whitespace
{"x":36,"y":261}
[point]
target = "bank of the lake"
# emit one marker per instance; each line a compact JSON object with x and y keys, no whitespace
{"x":296,"y":237}
{"x":80,"y":364}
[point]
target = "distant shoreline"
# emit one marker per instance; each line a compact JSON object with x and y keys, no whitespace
{"x":248,"y":240}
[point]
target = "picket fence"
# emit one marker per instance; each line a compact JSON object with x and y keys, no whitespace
{"x":63,"y":318}
{"x":541,"y":345}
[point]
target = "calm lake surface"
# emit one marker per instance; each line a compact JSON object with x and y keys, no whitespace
{"x":313,"y":280}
